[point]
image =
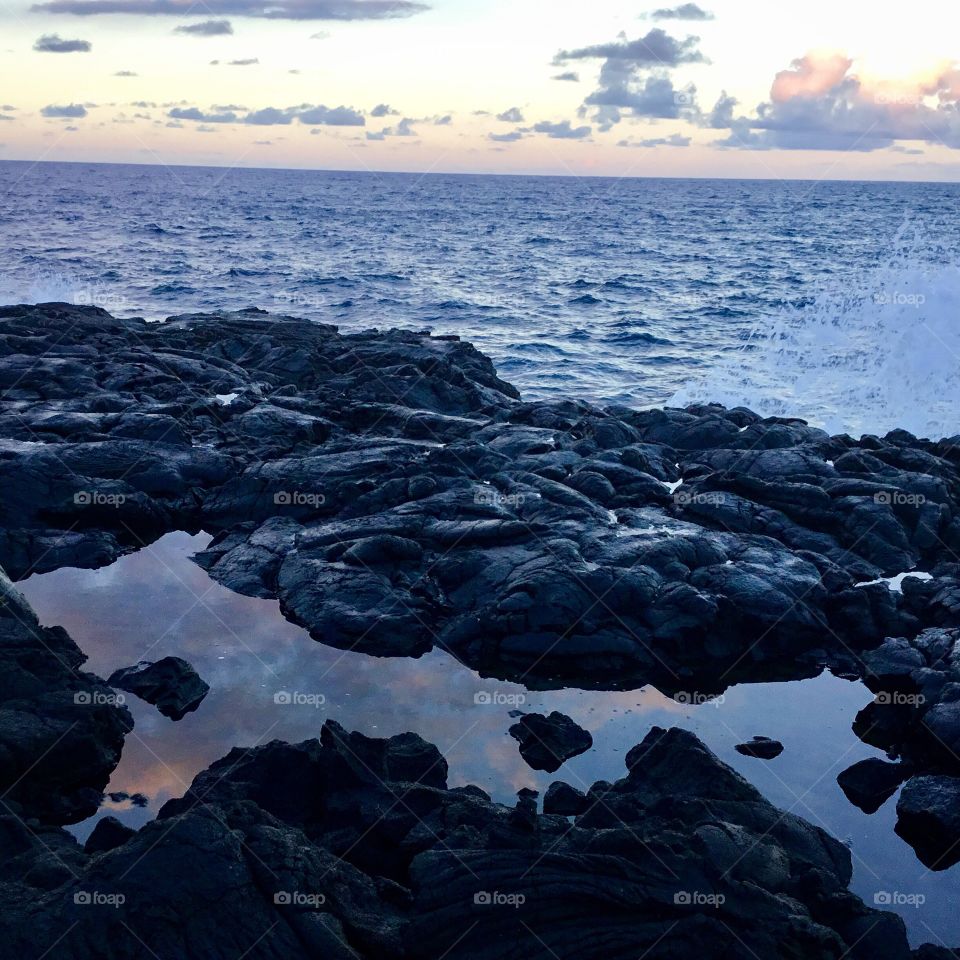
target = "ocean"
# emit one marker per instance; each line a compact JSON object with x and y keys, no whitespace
{"x":833,"y":301}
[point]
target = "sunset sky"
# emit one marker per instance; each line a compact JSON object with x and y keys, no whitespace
{"x":737,"y":88}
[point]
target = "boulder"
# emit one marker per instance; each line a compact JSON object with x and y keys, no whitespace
{"x":170,"y":684}
{"x":546,"y":742}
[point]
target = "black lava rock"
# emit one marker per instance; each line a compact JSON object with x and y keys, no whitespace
{"x":763,"y":748}
{"x":547,"y":741}
{"x":869,"y":783}
{"x":928,"y":818}
{"x":107,"y":834}
{"x":564,"y":800}
{"x":170,"y":684}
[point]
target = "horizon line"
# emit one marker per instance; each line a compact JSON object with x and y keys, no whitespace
{"x":461,"y":173}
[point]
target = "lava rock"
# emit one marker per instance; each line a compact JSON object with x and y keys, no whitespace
{"x":564,"y":800}
{"x":305,"y":848}
{"x":928,"y":818}
{"x":763,"y":748}
{"x":547,"y":741}
{"x":868,"y":784}
{"x":61,"y":728}
{"x":170,"y":684}
{"x":108,"y":834}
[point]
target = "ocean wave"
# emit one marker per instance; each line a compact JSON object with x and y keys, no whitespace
{"x":873,"y":352}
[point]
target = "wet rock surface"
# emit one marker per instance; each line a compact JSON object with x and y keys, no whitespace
{"x":763,"y":748}
{"x":395,"y":496}
{"x":547,"y":741}
{"x":315,"y":849}
{"x":869,"y":783}
{"x":170,"y":684}
{"x":61,"y":728}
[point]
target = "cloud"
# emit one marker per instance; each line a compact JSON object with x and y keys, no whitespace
{"x":513,"y":115}
{"x":656,"y":49}
{"x":51,"y":43}
{"x":384,"y":110}
{"x":635,"y":76}
{"x":674,"y":140}
{"x":721,"y":116}
{"x":71,"y":110}
{"x":403,"y":129}
{"x":269,"y":116}
{"x":268,"y":9}
{"x":248,"y":62}
{"x":320,"y":35}
{"x":562,"y":130}
{"x":510,"y":137}
{"x":206,"y":28}
{"x":810,"y":76}
{"x":264,"y":143}
{"x":192,"y":113}
{"x":126,"y":73}
{"x":306,"y":113}
{"x":686,"y":11}
{"x":571,"y":76}
{"x":819,"y":104}
{"x":652,"y":96}
{"x":332,"y":117}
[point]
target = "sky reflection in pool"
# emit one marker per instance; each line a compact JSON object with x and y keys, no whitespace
{"x":157,"y":603}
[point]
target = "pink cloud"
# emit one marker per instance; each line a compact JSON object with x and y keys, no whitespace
{"x":810,"y":76}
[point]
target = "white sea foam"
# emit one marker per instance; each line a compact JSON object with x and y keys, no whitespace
{"x":872,"y":352}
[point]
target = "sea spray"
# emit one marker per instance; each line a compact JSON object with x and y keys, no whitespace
{"x":870,"y":353}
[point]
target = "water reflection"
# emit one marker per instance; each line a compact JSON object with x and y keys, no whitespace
{"x":269,"y":680}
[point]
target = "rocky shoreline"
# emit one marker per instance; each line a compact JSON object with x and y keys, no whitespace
{"x":395,"y":496}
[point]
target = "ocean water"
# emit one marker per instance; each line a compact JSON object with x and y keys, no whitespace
{"x":833,"y":301}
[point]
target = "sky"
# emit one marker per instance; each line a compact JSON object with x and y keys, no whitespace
{"x":730,"y":88}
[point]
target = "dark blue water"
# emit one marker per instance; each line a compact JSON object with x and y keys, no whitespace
{"x":625,"y":290}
